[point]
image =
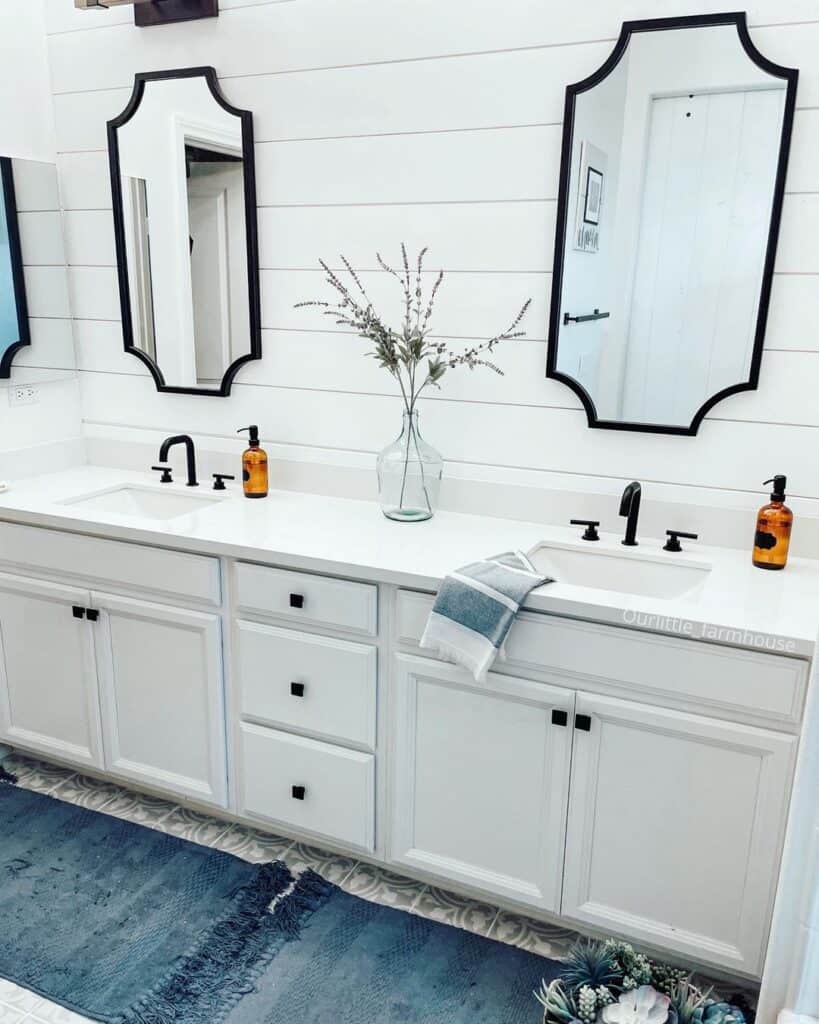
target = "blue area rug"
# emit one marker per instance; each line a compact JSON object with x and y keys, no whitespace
{"x":128,"y":925}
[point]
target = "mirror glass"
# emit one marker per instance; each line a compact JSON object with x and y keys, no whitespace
{"x":14,"y":331}
{"x":671,"y":186}
{"x":185,"y":219}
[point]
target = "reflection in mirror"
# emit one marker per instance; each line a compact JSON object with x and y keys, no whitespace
{"x":14,"y":329}
{"x":185,"y":217}
{"x":674,"y":158}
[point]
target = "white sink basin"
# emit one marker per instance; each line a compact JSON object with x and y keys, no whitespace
{"x":603,"y":569}
{"x":142,"y":502}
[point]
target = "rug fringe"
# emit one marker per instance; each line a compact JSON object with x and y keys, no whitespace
{"x":308,"y":894}
{"x":206,"y":975}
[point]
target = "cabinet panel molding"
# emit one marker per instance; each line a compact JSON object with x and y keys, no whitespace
{"x":308,"y":683}
{"x":101,"y":561}
{"x":309,"y":785}
{"x":692,"y":674}
{"x":161,"y":689}
{"x":48,"y":684}
{"x":480,"y":780}
{"x":306,"y":597}
{"x":675,"y":829}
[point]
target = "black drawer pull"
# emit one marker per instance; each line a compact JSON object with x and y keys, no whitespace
{"x":92,"y":614}
{"x":297,"y":689}
{"x":299,"y":792}
{"x":297,"y":600}
{"x":582,"y":722}
{"x":77,"y":612}
{"x":560,"y":718}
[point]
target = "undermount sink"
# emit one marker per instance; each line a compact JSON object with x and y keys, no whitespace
{"x":603,"y":569}
{"x":142,"y":502}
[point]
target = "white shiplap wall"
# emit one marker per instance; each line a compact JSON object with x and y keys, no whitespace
{"x":47,"y":434}
{"x":436,"y":122}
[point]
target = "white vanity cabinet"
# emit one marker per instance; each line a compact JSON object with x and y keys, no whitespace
{"x":48,"y":694}
{"x":126,"y":684}
{"x":675,"y":827}
{"x":621,"y":781}
{"x":657,"y":814}
{"x":306,"y":703}
{"x":161,"y":696}
{"x":481,"y":779}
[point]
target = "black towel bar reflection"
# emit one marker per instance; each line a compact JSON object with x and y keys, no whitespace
{"x":596,"y":315}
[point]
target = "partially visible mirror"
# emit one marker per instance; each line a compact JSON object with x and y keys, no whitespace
{"x":183,"y":181}
{"x":674,"y":160}
{"x":14,"y":329}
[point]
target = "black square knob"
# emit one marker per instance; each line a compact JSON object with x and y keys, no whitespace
{"x":297,"y":689}
{"x":297,"y":600}
{"x":299,"y":792}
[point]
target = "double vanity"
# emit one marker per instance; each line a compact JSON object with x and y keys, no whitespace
{"x":619,"y":771}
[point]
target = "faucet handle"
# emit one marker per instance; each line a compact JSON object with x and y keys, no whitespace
{"x":673,"y":542}
{"x":219,"y":481}
{"x":166,"y":474}
{"x":591,"y":527}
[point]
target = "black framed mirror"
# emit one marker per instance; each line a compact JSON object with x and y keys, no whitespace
{"x":184,"y":198}
{"x":14,"y":327}
{"x":671,"y":184}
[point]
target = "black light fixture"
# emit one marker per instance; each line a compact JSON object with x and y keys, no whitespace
{"x":157,"y":12}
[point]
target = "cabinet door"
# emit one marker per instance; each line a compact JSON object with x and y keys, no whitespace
{"x":675,"y":829}
{"x":481,"y":779}
{"x":161,"y":687}
{"x":48,"y":682}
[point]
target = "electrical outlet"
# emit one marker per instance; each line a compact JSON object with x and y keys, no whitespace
{"x":23,"y":394}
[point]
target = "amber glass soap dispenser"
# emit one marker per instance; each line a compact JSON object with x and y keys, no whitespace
{"x":773,"y":529}
{"x":254,"y":465}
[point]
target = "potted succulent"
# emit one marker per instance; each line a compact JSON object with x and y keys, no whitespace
{"x":609,"y":982}
{"x":409,"y":469}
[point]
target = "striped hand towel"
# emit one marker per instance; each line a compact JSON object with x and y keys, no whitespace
{"x":475,"y":609}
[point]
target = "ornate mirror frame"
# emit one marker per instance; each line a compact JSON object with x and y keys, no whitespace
{"x":790,"y":75}
{"x":251,"y":227}
{"x":17,"y":277}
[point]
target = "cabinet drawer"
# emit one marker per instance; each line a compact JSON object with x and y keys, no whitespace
{"x":693,"y":674}
{"x":302,"y":597}
{"x":156,"y":570}
{"x":338,"y":786}
{"x":309,"y":683}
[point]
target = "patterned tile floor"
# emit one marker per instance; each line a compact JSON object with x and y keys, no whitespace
{"x":18,"y":1005}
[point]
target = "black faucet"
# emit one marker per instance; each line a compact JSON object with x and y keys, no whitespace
{"x":630,"y":507}
{"x":190,"y":452}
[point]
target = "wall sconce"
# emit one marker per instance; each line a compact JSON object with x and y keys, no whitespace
{"x":157,"y":12}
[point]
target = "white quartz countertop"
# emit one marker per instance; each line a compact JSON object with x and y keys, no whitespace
{"x":736,"y":604}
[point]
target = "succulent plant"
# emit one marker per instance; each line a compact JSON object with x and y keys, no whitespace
{"x":711,"y":1012}
{"x":590,"y":964}
{"x":611,"y":983}
{"x":559,"y":1006}
{"x":633,"y":966}
{"x":643,"y":1005}
{"x":666,"y":978}
{"x":686,"y":1001}
{"x":587,"y":1004}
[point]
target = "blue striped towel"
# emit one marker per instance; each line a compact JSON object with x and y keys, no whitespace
{"x":475,"y":609}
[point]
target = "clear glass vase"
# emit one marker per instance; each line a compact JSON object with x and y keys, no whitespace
{"x":409,"y":475}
